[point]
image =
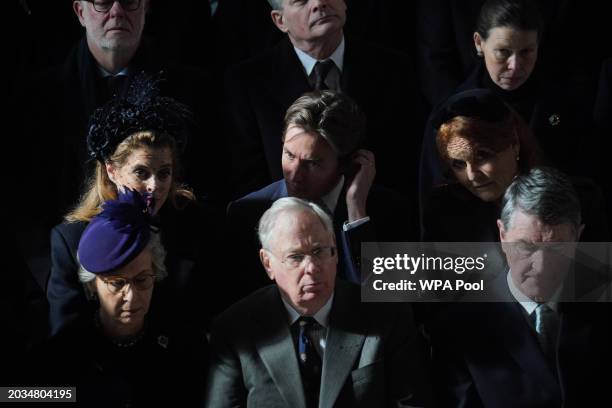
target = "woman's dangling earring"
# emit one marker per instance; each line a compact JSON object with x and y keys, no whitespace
{"x":479,"y":53}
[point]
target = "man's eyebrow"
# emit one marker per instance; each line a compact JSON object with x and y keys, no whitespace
{"x":308,"y":159}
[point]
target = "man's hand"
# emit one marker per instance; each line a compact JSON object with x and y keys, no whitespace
{"x":359,"y":184}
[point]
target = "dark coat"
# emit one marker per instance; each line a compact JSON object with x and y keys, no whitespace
{"x":184,"y":290}
{"x":164,"y":367}
{"x":390,"y":220}
{"x":372,"y":355}
{"x":488,"y":355}
{"x":381,"y":82}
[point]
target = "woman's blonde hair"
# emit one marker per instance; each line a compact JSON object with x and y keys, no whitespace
{"x":100,"y":188}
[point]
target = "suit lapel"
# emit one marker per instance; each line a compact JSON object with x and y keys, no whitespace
{"x":343,"y":347}
{"x":290,"y":77}
{"x":275,"y":347}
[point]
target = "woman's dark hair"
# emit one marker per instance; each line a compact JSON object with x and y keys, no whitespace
{"x":517,"y":14}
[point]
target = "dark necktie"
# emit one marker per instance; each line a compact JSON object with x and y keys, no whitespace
{"x":321,"y":70}
{"x":310,"y":361}
{"x":547,"y":325}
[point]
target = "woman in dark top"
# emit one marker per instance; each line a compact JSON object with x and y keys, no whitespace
{"x":484,"y":144}
{"x":136,"y":143}
{"x":122,"y":353}
{"x":507,"y":38}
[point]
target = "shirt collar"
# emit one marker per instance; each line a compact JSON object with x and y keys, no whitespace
{"x":322,"y":316}
{"x":106,"y":74}
{"x":528,"y":304}
{"x":308,"y":62}
{"x":331,"y":199}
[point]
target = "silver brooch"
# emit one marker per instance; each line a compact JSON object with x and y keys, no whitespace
{"x":162,"y":341}
{"x":554,"y":119}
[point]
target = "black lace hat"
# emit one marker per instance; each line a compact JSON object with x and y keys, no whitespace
{"x":141,"y":109}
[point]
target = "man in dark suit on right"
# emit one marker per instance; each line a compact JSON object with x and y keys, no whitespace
{"x":545,"y":340}
{"x":316,"y":55}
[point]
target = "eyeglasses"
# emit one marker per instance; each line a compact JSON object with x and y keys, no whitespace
{"x":140,"y":282}
{"x":102,"y":6}
{"x":296,"y":259}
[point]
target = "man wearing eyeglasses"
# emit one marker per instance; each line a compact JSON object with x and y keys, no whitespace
{"x":308,"y":341}
{"x":113,"y":30}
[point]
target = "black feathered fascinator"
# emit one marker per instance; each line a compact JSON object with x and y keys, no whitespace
{"x":141,"y":109}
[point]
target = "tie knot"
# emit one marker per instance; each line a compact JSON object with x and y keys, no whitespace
{"x":307,"y":322}
{"x":321,"y":70}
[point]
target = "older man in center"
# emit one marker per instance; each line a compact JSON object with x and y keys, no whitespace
{"x":308,"y":341}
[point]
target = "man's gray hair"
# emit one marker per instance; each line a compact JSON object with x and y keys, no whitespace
{"x":545,"y":193}
{"x":268,"y":220}
{"x":276,"y":4}
{"x":158,"y":258}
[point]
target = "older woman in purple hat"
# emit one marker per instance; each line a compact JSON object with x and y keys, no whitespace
{"x":124,"y":353}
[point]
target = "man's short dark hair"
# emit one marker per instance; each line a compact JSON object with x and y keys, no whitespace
{"x":545,"y":193}
{"x":331,"y":115}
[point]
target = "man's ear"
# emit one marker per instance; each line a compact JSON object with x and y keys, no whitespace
{"x":265,"y":261}
{"x":502,"y":236}
{"x":502,"y":231}
{"x":78,"y":10}
{"x":478,"y":43}
{"x":278,"y":20}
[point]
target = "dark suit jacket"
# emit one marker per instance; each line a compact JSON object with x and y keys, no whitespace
{"x":259,"y":91}
{"x":371,"y":357}
{"x":390,"y":220}
{"x":184,"y":288}
{"x":488,"y":355}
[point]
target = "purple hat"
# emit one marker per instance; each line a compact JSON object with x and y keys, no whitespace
{"x":118,"y":234}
